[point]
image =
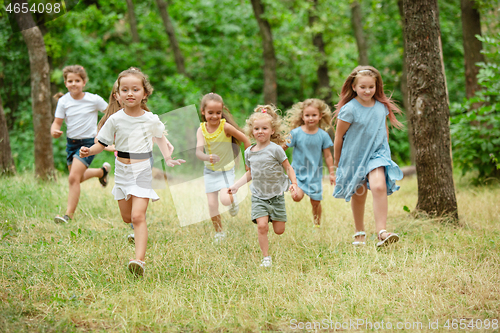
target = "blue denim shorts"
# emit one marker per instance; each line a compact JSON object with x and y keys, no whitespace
{"x":73,"y":150}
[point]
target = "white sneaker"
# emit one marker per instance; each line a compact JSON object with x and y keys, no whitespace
{"x":266,"y":262}
{"x":234,"y":207}
{"x":137,"y":267}
{"x":219,"y":237}
{"x":131,"y":238}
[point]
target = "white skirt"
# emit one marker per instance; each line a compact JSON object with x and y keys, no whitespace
{"x":217,"y":180}
{"x":133,"y":179}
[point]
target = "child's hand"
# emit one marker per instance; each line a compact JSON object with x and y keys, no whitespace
{"x":293,"y":190}
{"x":55,"y":133}
{"x":213,"y":158}
{"x":333,"y":180}
{"x":232,"y":190}
{"x":84,"y":152}
{"x":171,"y":162}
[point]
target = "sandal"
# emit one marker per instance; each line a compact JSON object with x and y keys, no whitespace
{"x":136,"y":267}
{"x":391,"y":238}
{"x":62,"y":219}
{"x":359,"y":243}
{"x":104,"y":179}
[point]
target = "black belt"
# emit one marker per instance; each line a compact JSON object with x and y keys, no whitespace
{"x":137,"y":156}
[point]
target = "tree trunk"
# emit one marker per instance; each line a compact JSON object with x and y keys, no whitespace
{"x":6,"y":163}
{"x":40,"y":94}
{"x":471,"y":26}
{"x":270,"y":81}
{"x":429,"y":109}
{"x":133,"y":21}
{"x":357,"y":26}
{"x":169,"y":29}
{"x":324,"y":90}
{"x":404,"y":89}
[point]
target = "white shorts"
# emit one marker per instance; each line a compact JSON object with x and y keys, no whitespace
{"x":133,"y":179}
{"x":217,"y":180}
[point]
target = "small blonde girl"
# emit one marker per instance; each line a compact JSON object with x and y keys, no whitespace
{"x":362,"y":151}
{"x":218,"y":144}
{"x":267,"y":162}
{"x":79,"y":110}
{"x":133,"y":130}
{"x":309,"y":120}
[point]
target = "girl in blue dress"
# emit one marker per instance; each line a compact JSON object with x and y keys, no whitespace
{"x":361,"y":150}
{"x":309,"y":120}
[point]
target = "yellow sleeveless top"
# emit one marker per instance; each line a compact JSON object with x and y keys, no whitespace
{"x":220,"y":144}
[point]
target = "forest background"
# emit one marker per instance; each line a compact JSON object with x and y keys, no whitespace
{"x":222,"y":52}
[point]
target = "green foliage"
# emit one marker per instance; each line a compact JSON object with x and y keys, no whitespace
{"x":475,"y":126}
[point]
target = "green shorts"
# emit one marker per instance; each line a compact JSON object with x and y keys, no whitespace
{"x":274,"y":208}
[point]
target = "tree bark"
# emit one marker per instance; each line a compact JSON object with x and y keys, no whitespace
{"x":324,"y":90}
{"x":357,"y":26}
{"x":471,"y":26}
{"x":132,"y":21}
{"x":169,"y":29}
{"x":429,"y":109}
{"x":40,"y":95}
{"x":6,"y":162}
{"x":270,"y":80}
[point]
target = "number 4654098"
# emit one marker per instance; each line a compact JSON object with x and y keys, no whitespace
{"x":34,"y":8}
{"x":463,"y":324}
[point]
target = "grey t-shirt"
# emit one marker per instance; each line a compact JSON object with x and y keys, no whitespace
{"x":268,"y":176}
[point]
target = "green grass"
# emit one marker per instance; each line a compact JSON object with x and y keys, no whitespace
{"x":73,"y":277}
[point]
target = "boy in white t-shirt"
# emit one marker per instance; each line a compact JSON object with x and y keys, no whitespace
{"x":79,"y":110}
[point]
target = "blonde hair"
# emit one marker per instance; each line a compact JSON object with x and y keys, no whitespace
{"x":113,"y":106}
{"x":148,"y":88}
{"x":347,"y":93}
{"x":269,"y":112}
{"x":295,"y":114}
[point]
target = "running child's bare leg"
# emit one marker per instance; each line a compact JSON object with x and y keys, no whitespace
{"x":279,"y":227}
{"x":316,"y":209}
{"x":299,"y":195}
{"x":76,"y":172}
{"x":91,"y":173}
{"x":358,"y":201}
{"x":138,"y":216}
{"x":262,"y":230}
{"x":378,"y":187}
{"x":225,"y":198}
{"x":213,"y":209}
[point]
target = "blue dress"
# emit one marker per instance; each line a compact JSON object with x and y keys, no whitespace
{"x":365,"y":148}
{"x":307,"y":160}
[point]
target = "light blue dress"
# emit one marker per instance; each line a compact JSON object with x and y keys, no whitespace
{"x":365,"y":148}
{"x":307,"y":160}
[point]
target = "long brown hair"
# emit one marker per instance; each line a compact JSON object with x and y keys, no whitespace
{"x":347,"y":93}
{"x":225,"y":115}
{"x":113,"y":106}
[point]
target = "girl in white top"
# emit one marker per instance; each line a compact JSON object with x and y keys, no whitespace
{"x":267,"y":162}
{"x":79,"y":110}
{"x":133,"y":130}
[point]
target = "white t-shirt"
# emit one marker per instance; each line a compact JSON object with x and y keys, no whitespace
{"x":131,"y":134}
{"x":80,"y":115}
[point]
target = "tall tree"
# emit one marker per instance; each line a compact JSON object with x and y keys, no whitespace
{"x":270,"y":81}
{"x":132,"y":21}
{"x":6,"y":163}
{"x":40,"y":93}
{"x":357,"y":26}
{"x":324,"y":90}
{"x":471,"y":26}
{"x":169,"y":29}
{"x":429,"y":108}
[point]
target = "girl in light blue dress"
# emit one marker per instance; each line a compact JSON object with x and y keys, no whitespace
{"x":361,"y":150}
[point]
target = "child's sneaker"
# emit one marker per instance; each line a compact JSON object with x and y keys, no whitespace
{"x":137,"y":267}
{"x":234,"y":207}
{"x":219,"y":237}
{"x":105,"y":171}
{"x":131,"y":238}
{"x":62,"y":219}
{"x":266,"y":262}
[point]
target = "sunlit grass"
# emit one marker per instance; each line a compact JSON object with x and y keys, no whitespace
{"x":73,"y":277}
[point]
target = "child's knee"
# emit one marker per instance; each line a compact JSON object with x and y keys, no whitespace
{"x":74,"y":179}
{"x":378,"y":188}
{"x":138,"y":218}
{"x":263,"y":228}
{"x":279,"y":231}
{"x":315,"y":203}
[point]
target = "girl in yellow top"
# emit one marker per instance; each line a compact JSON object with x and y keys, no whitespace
{"x":218,"y":144}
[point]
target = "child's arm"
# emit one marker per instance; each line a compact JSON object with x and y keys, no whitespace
{"x":94,"y":150}
{"x":200,"y":144}
{"x":166,"y":150}
{"x":110,"y":148}
{"x":291,"y":174}
{"x":232,"y":131}
{"x":242,"y":181}
{"x":342,"y":127}
{"x":329,"y":163}
{"x":55,"y":128}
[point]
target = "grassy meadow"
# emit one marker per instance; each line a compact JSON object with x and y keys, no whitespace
{"x":72,"y":278}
